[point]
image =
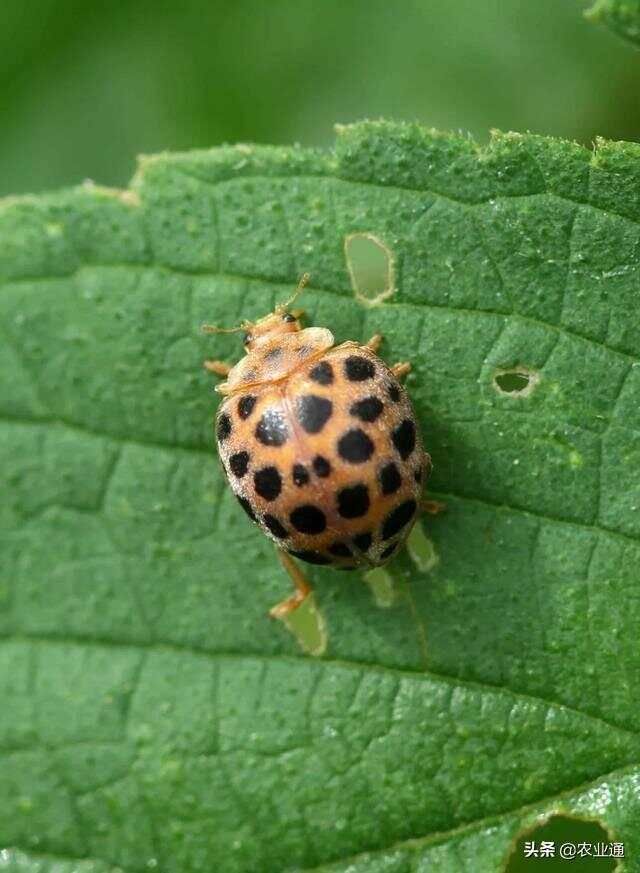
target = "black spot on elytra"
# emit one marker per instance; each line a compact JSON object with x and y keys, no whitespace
{"x":418,"y":475}
{"x":367,"y":409}
{"x":341,"y":550}
{"x":299,"y":475}
{"x":268,"y":482}
{"x":272,"y":428}
{"x":321,"y":466}
{"x":245,"y":405}
{"x":362,"y":541}
{"x":223,"y":428}
{"x":244,"y":503}
{"x":308,"y":519}
{"x":311,"y":557}
{"x":239,"y":463}
{"x":404,"y":438}
{"x":353,"y":502}
{"x":357,"y":368}
{"x":390,"y":478}
{"x":313,"y":412}
{"x":273,"y":354}
{"x":271,"y":522}
{"x":389,"y":551}
{"x":394,"y":392}
{"x":322,"y":373}
{"x":355,"y":446}
{"x":398,"y":518}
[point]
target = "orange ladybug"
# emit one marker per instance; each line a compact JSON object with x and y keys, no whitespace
{"x":320,"y":445}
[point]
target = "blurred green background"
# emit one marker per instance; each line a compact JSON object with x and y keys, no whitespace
{"x":84,"y":87}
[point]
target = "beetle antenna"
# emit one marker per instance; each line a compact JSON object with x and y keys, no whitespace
{"x":301,"y":284}
{"x":210,"y":328}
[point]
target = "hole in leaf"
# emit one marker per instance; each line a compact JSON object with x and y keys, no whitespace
{"x":421,"y":550}
{"x":308,"y":626}
{"x":382,"y":587}
{"x":512,"y":382}
{"x":591,"y":849}
{"x":518,"y":382}
{"x":371,"y":268}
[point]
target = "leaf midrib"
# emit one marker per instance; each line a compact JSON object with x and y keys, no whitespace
{"x":326,"y":174}
{"x":320,"y":664}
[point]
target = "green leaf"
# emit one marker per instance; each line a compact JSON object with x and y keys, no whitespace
{"x":152,"y":716}
{"x":622,"y":16}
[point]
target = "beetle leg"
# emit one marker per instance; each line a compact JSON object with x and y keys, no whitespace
{"x":303,"y":589}
{"x":217,"y":367}
{"x":433,"y":507}
{"x":374,"y":343}
{"x":400,"y":370}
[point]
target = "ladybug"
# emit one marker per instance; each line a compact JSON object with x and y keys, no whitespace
{"x":320,"y":445}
